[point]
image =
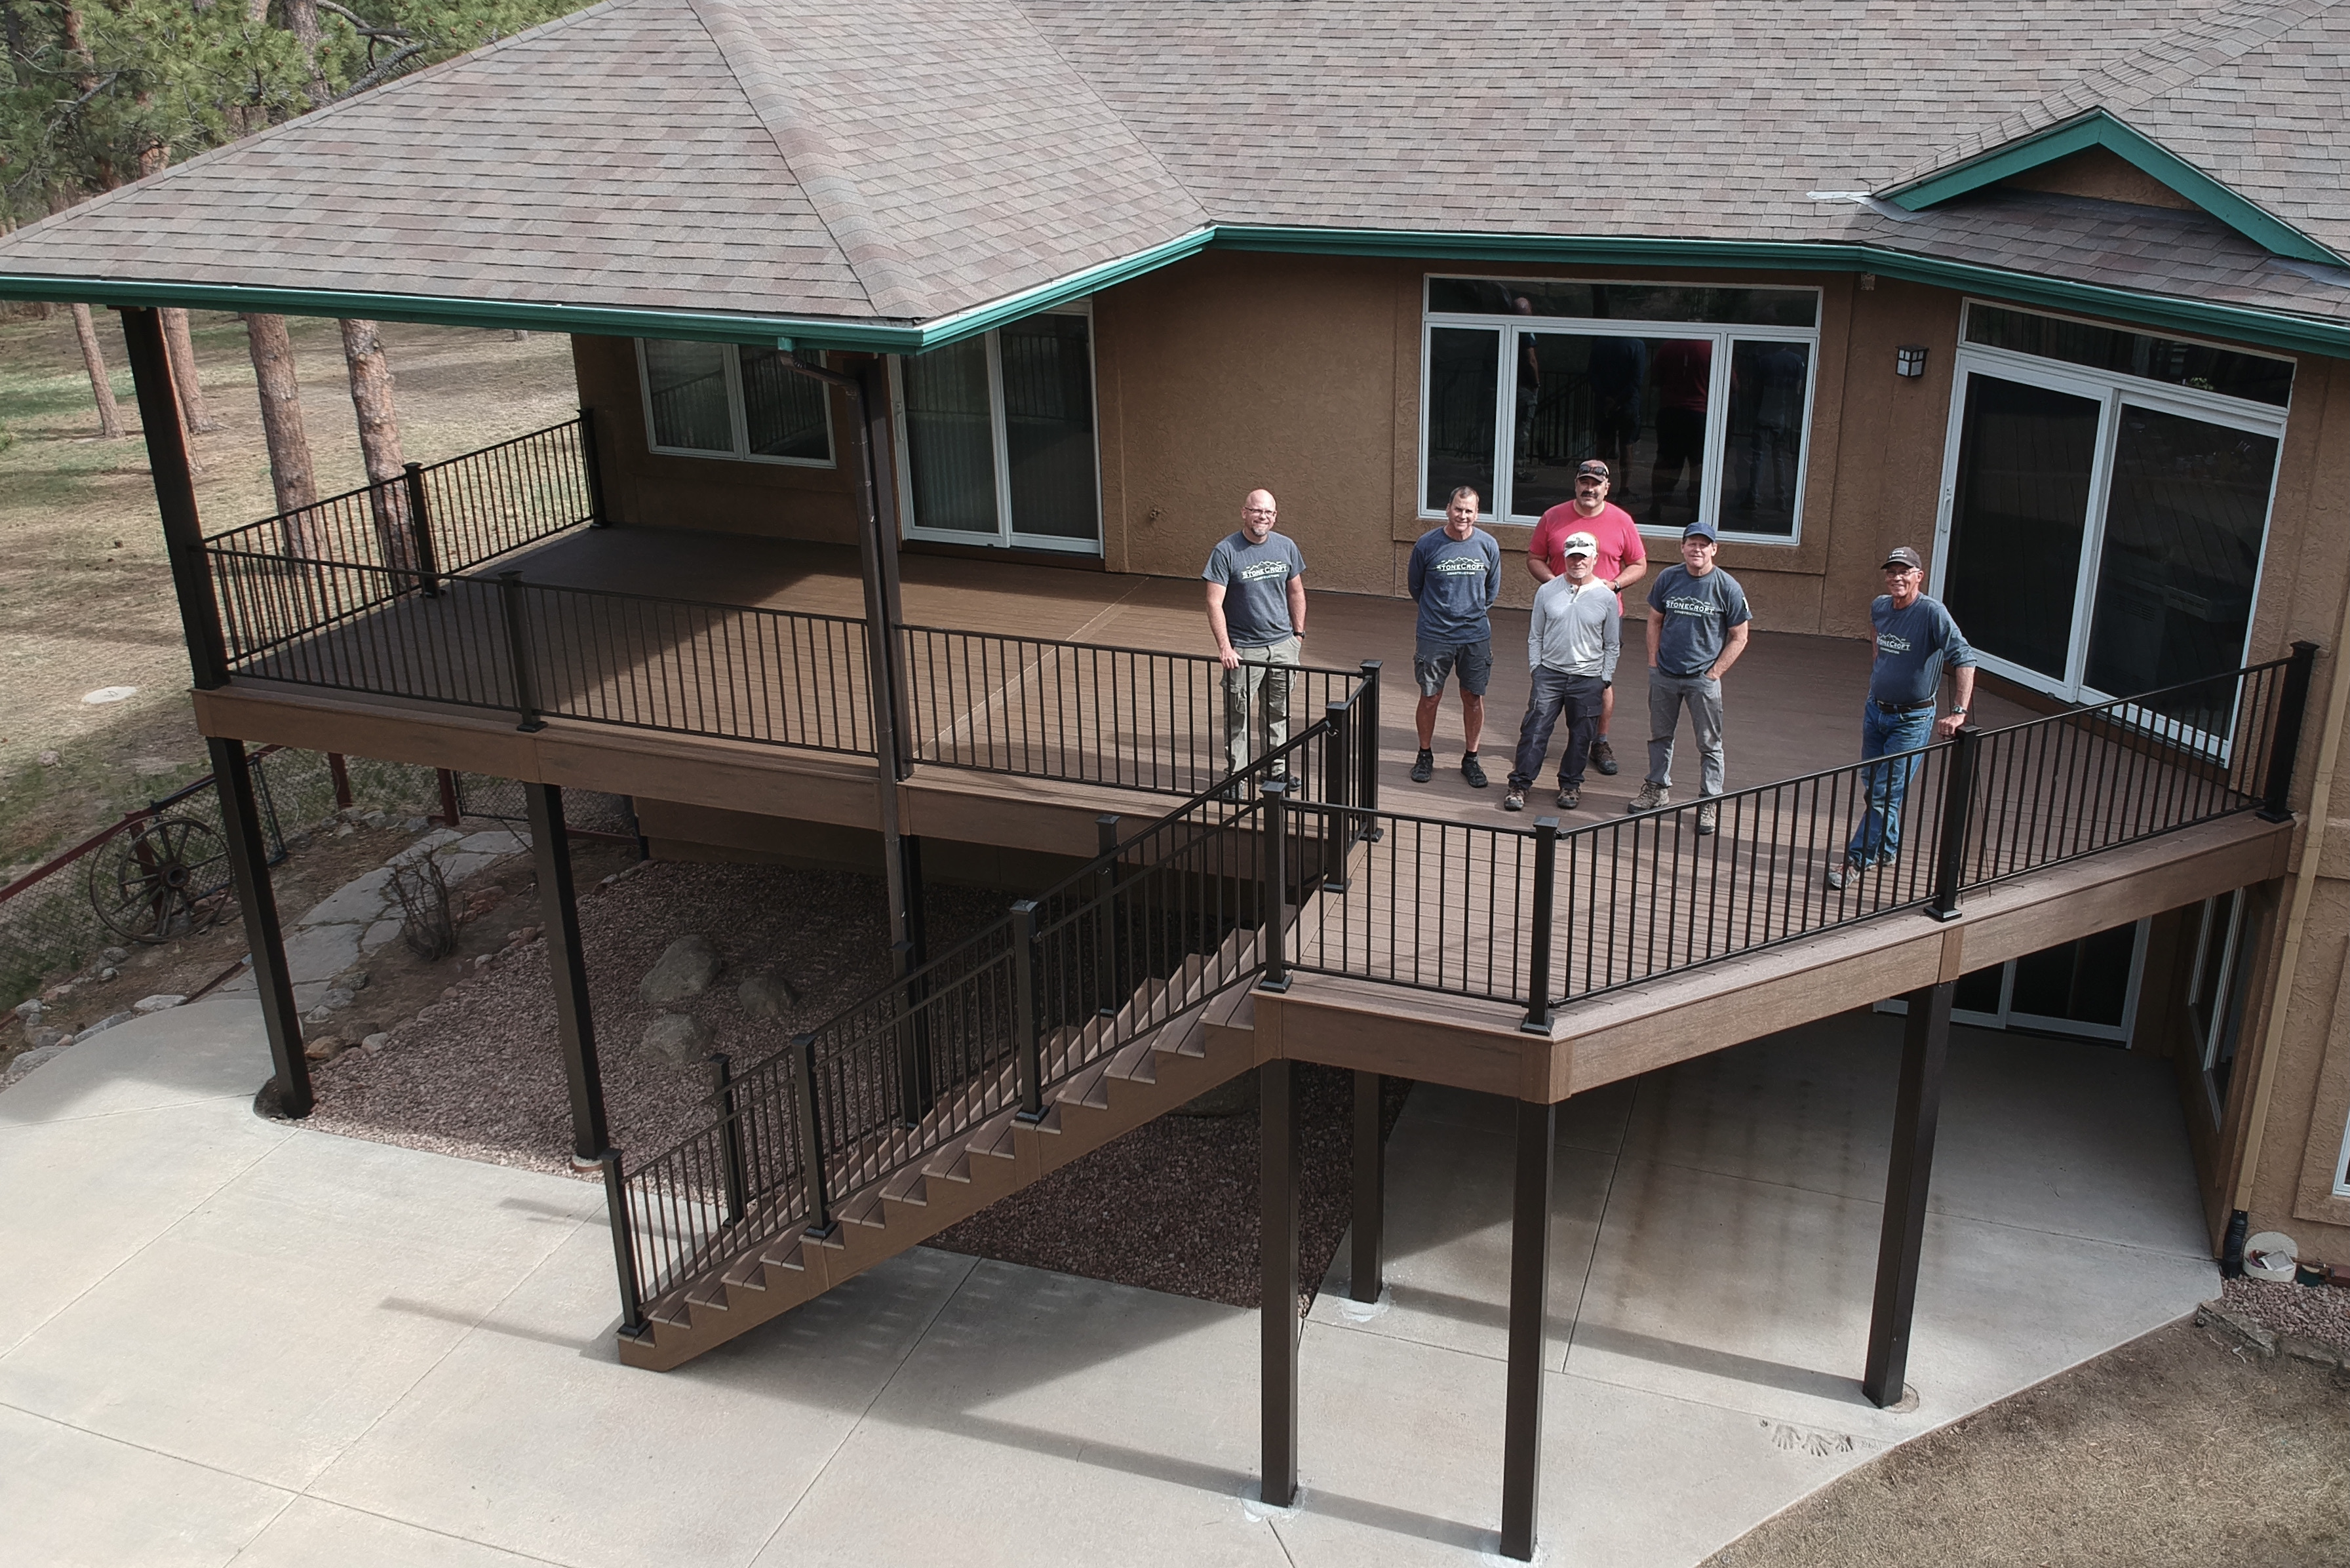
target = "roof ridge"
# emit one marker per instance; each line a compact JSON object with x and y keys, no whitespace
{"x":1199,"y":207}
{"x":832,"y":193}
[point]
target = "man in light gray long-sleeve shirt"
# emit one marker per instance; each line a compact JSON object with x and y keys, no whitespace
{"x":1571,"y":645}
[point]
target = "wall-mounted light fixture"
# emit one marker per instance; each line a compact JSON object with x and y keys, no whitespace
{"x":1909,"y":359}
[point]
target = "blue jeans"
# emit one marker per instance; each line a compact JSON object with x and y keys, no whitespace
{"x":1878,"y":838}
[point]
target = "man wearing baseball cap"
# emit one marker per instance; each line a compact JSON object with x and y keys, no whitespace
{"x":1572,"y":644}
{"x":1698,"y":626}
{"x":1916,"y":641}
{"x":1622,"y":561}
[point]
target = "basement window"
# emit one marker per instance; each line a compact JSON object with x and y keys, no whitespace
{"x":733,"y":400}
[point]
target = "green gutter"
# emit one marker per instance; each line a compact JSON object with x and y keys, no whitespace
{"x":2099,"y":128}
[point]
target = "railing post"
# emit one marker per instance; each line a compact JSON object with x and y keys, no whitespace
{"x":730,"y":1134}
{"x":1366,"y":775}
{"x":1027,"y":1025}
{"x":624,"y":1244}
{"x":596,"y":516}
{"x":340,"y":771}
{"x":420,"y":530}
{"x":1338,"y":824}
{"x":2284,"y":753}
{"x":1106,"y":916}
{"x":913,"y":1072}
{"x":516,"y":616}
{"x":1538,"y":963}
{"x":820,"y":1223}
{"x":1958,"y":807}
{"x":1273,"y":891}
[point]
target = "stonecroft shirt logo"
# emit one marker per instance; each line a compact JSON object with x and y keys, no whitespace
{"x":1265,"y":569}
{"x":1679,"y":606}
{"x":1460,"y":564}
{"x":1889,"y":642}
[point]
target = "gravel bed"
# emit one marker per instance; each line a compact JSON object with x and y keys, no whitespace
{"x":2320,"y":1313}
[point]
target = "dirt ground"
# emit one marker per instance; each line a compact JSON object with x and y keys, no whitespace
{"x":2180,"y":1450}
{"x":86,"y":598}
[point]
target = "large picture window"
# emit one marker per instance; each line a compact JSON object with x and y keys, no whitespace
{"x":729,"y":400}
{"x":996,"y":443}
{"x":1698,"y":398}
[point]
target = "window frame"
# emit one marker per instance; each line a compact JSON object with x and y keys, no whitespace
{"x":738,"y":414}
{"x":1723,"y":336}
{"x":1007,"y":536}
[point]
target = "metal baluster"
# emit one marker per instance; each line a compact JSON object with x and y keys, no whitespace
{"x":624,"y":1244}
{"x":1027,"y":1026}
{"x":820,"y":1222}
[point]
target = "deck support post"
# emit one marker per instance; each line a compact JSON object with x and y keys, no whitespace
{"x":2292,"y":706}
{"x":175,"y":496}
{"x":1529,"y":1309}
{"x":1365,"y":1277}
{"x":1272,"y":885}
{"x":248,"y":864}
{"x":1277,"y":1188}
{"x":1925,"y":1043}
{"x":1366,"y":741}
{"x":574,"y":1022}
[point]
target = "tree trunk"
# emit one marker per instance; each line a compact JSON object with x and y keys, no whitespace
{"x":109,"y":418}
{"x":281,"y":425}
{"x":302,"y":21}
{"x":181,"y":350}
{"x":380,"y":440}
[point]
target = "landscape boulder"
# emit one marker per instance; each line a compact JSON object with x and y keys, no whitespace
{"x":685,"y":969}
{"x":156,"y":1003}
{"x":677,"y":1038}
{"x":766,"y":995}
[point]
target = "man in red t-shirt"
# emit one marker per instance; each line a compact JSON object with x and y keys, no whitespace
{"x":1622,"y":562}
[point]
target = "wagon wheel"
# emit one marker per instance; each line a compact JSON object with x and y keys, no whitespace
{"x":168,"y":878}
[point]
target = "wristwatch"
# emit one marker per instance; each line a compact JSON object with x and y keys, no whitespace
{"x":1958,"y":712}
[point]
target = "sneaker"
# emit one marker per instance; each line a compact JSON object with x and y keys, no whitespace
{"x":1652,"y":797}
{"x":1844,"y":871}
{"x":1569,"y":798}
{"x":1423,"y":767}
{"x":1603,"y":756}
{"x":1473,"y":770}
{"x":1705,"y":822}
{"x":1515,"y":800}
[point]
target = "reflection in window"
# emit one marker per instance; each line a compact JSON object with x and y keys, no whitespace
{"x":2256,"y":378}
{"x":951,"y":438}
{"x":2026,"y":455}
{"x":1048,"y":427}
{"x":686,"y":383}
{"x":783,"y":411}
{"x":1461,"y":377}
{"x":1765,"y":449}
{"x":1624,"y":301}
{"x":1000,"y":445}
{"x":721,"y":400}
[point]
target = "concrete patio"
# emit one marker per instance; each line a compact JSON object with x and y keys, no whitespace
{"x":224,"y":1339}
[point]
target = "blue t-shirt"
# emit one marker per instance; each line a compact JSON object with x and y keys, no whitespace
{"x":1913,"y":646}
{"x":1256,"y":587}
{"x":1698,"y":613}
{"x":1455,"y":581}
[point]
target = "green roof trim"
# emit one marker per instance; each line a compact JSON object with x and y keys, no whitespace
{"x":2098,"y":129}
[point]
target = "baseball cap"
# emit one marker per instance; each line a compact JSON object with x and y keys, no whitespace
{"x":1701,"y":530}
{"x":1906,"y":558}
{"x":1579,"y":544}
{"x":1593,"y":469}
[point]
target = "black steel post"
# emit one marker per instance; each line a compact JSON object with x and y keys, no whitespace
{"x":1529,"y":1306}
{"x":176,"y":497}
{"x":1366,"y":775}
{"x":1106,"y":918}
{"x":420,"y":530}
{"x":820,"y":1222}
{"x":730,"y":1136}
{"x":1027,"y":1024}
{"x":248,"y":865}
{"x":566,"y":962}
{"x":913,"y":1033}
{"x":592,"y":465}
{"x":1370,"y":1193}
{"x":516,"y":614}
{"x":1273,"y":891}
{"x":1958,"y":811}
{"x":624,"y":1245}
{"x":1540,"y":939}
{"x":1277,"y":1187}
{"x":1338,"y":824}
{"x":2292,"y":706}
{"x":1917,"y":1106}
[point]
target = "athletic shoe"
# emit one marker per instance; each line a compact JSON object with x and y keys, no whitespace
{"x":1569,"y":798}
{"x":1603,"y":756}
{"x":1423,"y":767}
{"x":1844,"y":871}
{"x":1515,"y":800}
{"x":1653,"y":796}
{"x":1473,"y":770}
{"x":1705,"y":819}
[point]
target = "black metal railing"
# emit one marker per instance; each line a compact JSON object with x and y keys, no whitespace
{"x":301,"y":572}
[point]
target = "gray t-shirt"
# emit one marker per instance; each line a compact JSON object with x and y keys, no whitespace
{"x":1698,"y":613}
{"x":1455,"y":582}
{"x":1256,"y":587}
{"x":1913,"y":646}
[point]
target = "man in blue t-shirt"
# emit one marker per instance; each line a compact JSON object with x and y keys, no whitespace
{"x":1454,"y":578}
{"x":1698,"y":626}
{"x":1256,"y":607}
{"x":1916,"y":641}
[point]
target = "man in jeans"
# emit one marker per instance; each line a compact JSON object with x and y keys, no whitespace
{"x":1622,"y":561}
{"x":1256,"y":607}
{"x":1916,"y":641}
{"x":1698,"y":623}
{"x":1571,"y":645}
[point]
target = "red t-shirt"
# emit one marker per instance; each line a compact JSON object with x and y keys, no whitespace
{"x":1617,"y":536}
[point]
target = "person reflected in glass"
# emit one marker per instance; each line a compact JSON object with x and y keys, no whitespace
{"x":1683,"y":373}
{"x":1529,"y":387}
{"x":1257,"y":610}
{"x":1618,"y":372}
{"x":1778,"y":417}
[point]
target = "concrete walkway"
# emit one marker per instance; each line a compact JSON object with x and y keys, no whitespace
{"x":228,"y":1340}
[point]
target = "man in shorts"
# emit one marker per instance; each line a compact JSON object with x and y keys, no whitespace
{"x":1698,"y":623}
{"x":1622,"y":561}
{"x":1454,"y":576}
{"x":1256,"y":608}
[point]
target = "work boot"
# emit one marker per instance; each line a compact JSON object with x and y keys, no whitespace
{"x":1603,"y":756}
{"x":1515,"y":800}
{"x":1569,"y":797}
{"x":1423,"y":767}
{"x":1844,"y":871}
{"x":1473,"y":770}
{"x":1705,"y":819}
{"x":1653,"y":796}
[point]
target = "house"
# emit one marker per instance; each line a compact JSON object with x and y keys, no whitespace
{"x":1011,"y":290}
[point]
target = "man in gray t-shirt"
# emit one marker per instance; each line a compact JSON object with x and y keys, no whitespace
{"x":1697,"y":623}
{"x":1256,"y":607}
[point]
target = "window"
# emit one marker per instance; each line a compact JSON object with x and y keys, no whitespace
{"x":1698,"y":398}
{"x":2215,"y":992}
{"x":729,"y":399}
{"x":996,"y":443}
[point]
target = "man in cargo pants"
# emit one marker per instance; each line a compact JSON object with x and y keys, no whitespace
{"x":1256,"y":607}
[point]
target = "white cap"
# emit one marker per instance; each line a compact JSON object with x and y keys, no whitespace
{"x":1580,"y":545}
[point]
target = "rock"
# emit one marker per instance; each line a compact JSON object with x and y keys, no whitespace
{"x":28,"y":1060}
{"x":677,"y":1038}
{"x":416,"y":825}
{"x":325,"y":1048}
{"x":103,"y":1024}
{"x":375,"y":819}
{"x":448,"y":993}
{"x":375,"y":1043}
{"x":685,"y":969}
{"x":766,"y":995}
{"x":348,"y":813}
{"x":334,"y":1000}
{"x":298,"y":841}
{"x":156,"y":1003}
{"x":355,"y":980}
{"x":115,"y":955}
{"x":29,"y":1011}
{"x":110,"y":972}
{"x":2213,"y":1314}
{"x":40,"y":1038}
{"x":2303,"y":1349}
{"x":48,"y":759}
{"x":344,"y":831}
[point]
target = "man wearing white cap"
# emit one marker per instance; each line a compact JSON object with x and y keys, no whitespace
{"x":1571,"y":645}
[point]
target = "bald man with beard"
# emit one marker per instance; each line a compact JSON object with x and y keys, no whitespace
{"x":1256,"y":607}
